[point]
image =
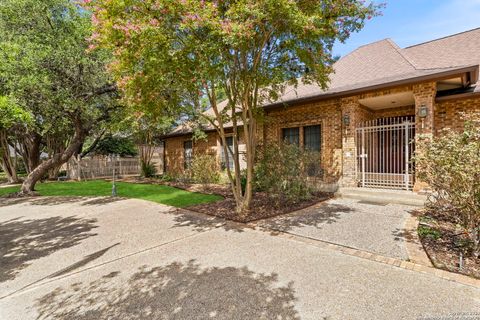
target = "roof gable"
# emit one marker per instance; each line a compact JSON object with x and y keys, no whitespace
{"x":373,"y":61}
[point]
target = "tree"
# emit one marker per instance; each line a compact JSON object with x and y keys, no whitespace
{"x":12,"y":118}
{"x":46,"y":66}
{"x":122,"y":146}
{"x":165,"y":51}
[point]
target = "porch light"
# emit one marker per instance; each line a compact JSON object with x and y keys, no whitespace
{"x":423,"y":111}
{"x":346,"y":120}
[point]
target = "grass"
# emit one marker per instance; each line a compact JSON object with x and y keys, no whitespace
{"x":157,"y":193}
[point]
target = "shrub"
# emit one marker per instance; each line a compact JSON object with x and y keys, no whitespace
{"x":204,"y":169}
{"x":148,"y":169}
{"x":284,"y":171}
{"x":450,"y":164}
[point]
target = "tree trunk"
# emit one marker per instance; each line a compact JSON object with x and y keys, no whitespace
{"x":475,"y":235}
{"x":53,"y":173}
{"x":30,"y":150}
{"x":56,"y":160}
{"x":91,"y":147}
{"x":6,"y":163}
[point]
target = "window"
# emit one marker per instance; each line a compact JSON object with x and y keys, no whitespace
{"x":187,"y":154}
{"x":312,"y":141}
{"x":230,"y":153}
{"x":312,"y":138}
{"x":291,"y":135}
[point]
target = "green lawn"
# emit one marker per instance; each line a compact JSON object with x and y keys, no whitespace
{"x":156,"y":193}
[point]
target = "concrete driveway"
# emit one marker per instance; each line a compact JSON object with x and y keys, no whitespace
{"x":377,"y":228}
{"x":70,"y":258}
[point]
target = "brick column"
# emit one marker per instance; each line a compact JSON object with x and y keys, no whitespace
{"x":424,"y":95}
{"x":349,"y":107}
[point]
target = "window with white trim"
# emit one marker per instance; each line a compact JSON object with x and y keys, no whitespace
{"x":231,"y":165}
{"x":187,"y":154}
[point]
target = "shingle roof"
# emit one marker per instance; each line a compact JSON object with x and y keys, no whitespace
{"x":455,"y":50}
{"x":383,"y":62}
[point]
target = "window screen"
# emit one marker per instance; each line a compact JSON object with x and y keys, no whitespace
{"x":187,"y":154}
{"x":291,"y":135}
{"x":312,"y":138}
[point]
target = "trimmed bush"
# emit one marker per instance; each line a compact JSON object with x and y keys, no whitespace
{"x":284,"y":171}
{"x":450,"y":164}
{"x":204,"y":169}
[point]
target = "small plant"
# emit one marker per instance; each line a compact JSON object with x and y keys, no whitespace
{"x":204,"y":169}
{"x":148,"y":170}
{"x":427,"y":232}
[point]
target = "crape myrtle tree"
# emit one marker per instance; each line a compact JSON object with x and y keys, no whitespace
{"x":47,"y":67}
{"x":167,"y":50}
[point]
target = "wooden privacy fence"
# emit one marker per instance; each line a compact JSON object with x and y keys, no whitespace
{"x":101,"y":167}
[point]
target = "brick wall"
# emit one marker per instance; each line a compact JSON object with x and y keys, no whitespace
{"x":174,"y":150}
{"x":449,"y":113}
{"x":327,"y":114}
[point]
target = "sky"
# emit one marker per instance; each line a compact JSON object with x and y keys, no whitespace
{"x":409,"y":22}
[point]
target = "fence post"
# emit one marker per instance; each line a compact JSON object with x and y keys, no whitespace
{"x":120,"y":172}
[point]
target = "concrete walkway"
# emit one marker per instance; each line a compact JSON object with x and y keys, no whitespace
{"x":131,"y":259}
{"x":377,"y":228}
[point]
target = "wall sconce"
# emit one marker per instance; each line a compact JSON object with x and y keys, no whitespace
{"x":346,"y":120}
{"x":423,"y":111}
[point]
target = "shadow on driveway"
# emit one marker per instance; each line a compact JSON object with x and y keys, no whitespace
{"x":174,"y":291}
{"x":201,"y":222}
{"x":325,"y":213}
{"x":22,"y":241}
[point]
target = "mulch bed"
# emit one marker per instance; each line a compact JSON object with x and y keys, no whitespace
{"x":443,"y":241}
{"x":263,"y":206}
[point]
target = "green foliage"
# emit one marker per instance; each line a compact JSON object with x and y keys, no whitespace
{"x":450,"y":165}
{"x":164,"y":49}
{"x":284,"y":171}
{"x":428,"y":232}
{"x":113,"y":145}
{"x":47,"y":68}
{"x":12,"y":114}
{"x":148,"y":169}
{"x":204,"y":169}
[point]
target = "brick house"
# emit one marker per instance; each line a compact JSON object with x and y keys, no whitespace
{"x":380,"y":99}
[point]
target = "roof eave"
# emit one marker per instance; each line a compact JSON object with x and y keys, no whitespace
{"x":471,"y":70}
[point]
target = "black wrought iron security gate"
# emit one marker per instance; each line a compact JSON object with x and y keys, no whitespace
{"x":384,"y":153}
